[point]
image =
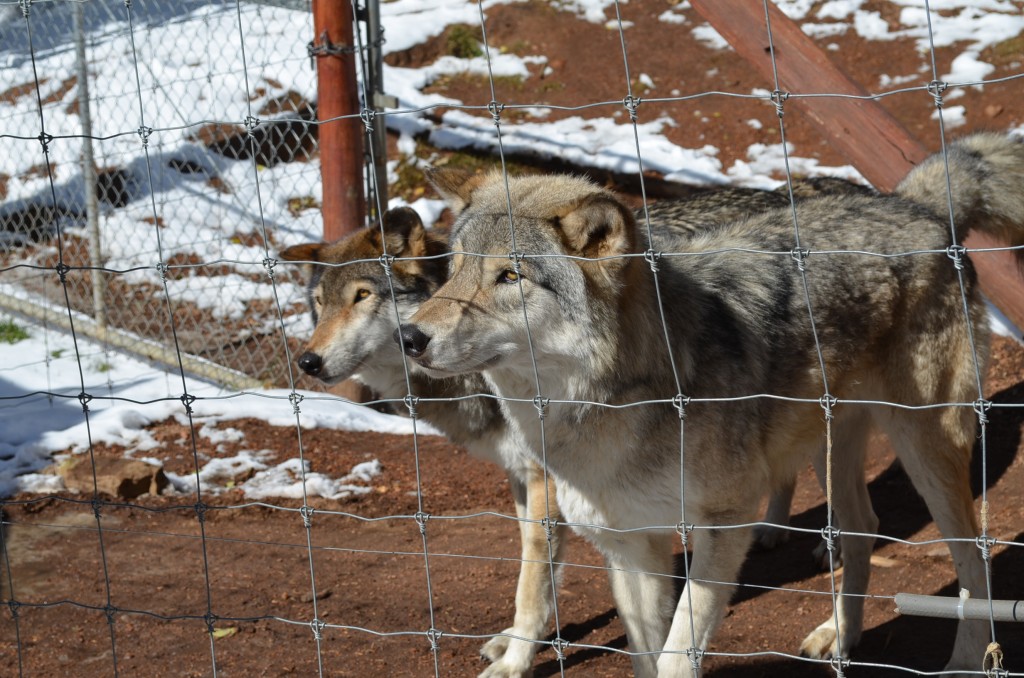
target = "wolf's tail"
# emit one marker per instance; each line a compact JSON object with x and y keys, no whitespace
{"x":986,"y":178}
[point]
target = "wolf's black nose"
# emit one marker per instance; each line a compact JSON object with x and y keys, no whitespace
{"x":311,"y":363}
{"x":412,"y":339}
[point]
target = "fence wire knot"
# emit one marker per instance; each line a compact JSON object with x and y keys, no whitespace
{"x":367,"y":115}
{"x":683,"y":529}
{"x":800,"y":255}
{"x":549,"y":527}
{"x":210,"y":619}
{"x":957,"y":254}
{"x":985,"y":544}
{"x":421,"y":519}
{"x":14,"y":607}
{"x":778,"y":98}
{"x":44,"y":141}
{"x":317,"y":627}
{"x":981,"y":408}
{"x":827,"y":402}
{"x":385,"y":262}
{"x":632,"y":103}
{"x":109,"y":610}
{"x":161,"y":269}
{"x":495,"y":108}
{"x":680,"y":401}
{"x":936,"y":88}
{"x":652,"y":257}
{"x":187,"y":399}
{"x":696,"y":655}
{"x":251,"y":123}
{"x":410,"y":404}
{"x":517,"y":260}
{"x":25,"y":5}
{"x":323,"y":47}
{"x":830,"y":534}
{"x":200,"y":508}
{"x":62,"y":271}
{"x":434,"y":636}
{"x":839,"y":665}
{"x":295,"y":398}
{"x":559,"y":645}
{"x":128,"y":4}
{"x":84,"y":399}
{"x":97,"y":507}
{"x":307,"y":516}
{"x":269,"y":263}
{"x":541,"y":404}
{"x":144,"y":133}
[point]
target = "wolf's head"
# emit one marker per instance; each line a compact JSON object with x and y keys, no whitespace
{"x":536,"y":261}
{"x":350,"y":293}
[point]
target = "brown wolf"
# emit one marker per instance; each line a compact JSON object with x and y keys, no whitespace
{"x":551,"y":296}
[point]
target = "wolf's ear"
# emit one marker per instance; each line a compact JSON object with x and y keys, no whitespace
{"x":403,"y":232}
{"x":309,"y":251}
{"x":598,"y":226}
{"x":455,"y":185}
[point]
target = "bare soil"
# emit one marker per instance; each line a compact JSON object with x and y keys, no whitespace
{"x":136,"y":596}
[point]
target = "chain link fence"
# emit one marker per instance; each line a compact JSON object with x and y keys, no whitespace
{"x":165,"y":140}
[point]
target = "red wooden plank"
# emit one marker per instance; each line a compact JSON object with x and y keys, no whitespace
{"x":874,"y":142}
{"x":804,"y":69}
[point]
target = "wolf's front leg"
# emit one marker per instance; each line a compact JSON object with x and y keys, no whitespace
{"x":717,"y":557}
{"x":640,"y":572}
{"x":535,"y":499}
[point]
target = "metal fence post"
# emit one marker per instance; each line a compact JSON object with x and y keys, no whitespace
{"x":341,"y":141}
{"x":89,"y":170}
{"x":378,"y":196}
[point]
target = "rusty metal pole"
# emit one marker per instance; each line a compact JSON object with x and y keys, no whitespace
{"x":341,"y":141}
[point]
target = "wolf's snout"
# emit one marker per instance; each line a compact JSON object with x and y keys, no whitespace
{"x":412,"y":339}
{"x":311,"y":363}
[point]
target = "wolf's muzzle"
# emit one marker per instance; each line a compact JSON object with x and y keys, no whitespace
{"x":311,"y":363}
{"x":412,"y":340}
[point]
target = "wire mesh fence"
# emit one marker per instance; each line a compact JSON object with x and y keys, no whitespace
{"x":206,"y":168}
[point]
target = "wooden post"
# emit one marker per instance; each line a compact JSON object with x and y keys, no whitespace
{"x":874,"y":142}
{"x":341,"y":141}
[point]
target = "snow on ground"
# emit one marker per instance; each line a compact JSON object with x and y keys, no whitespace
{"x":182,"y":67}
{"x":43,"y":375}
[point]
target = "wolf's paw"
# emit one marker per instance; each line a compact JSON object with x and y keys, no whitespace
{"x":767,"y":537}
{"x":820,"y":644}
{"x":495,"y":648}
{"x":516,"y":662}
{"x":823,"y":642}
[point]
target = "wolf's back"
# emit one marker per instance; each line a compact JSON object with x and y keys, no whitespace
{"x":986,"y":184}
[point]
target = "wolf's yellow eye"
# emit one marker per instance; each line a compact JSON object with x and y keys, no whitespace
{"x":362,"y":294}
{"x":509,"y":277}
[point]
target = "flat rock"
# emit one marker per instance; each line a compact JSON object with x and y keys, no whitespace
{"x":118,"y":477}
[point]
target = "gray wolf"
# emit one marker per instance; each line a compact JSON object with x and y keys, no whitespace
{"x":551,"y":296}
{"x":356,"y":308}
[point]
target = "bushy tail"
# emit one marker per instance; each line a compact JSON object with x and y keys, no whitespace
{"x":986,"y":177}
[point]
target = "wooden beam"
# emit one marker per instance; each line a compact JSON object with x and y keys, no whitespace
{"x":873,"y":141}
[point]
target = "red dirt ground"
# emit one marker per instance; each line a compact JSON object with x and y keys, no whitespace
{"x":253,"y":568}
